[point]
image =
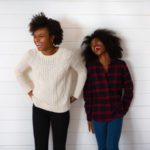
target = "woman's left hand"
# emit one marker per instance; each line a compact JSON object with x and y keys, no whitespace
{"x":72,"y":99}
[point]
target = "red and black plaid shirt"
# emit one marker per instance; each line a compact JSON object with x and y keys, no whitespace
{"x":108,"y":94}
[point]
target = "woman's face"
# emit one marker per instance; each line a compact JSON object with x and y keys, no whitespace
{"x":42,"y":39}
{"x":97,"y":47}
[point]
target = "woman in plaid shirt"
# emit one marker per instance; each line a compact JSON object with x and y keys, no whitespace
{"x":108,"y":90}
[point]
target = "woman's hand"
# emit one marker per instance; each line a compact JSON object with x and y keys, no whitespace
{"x":30,"y":93}
{"x":72,"y":99}
{"x":90,"y":126}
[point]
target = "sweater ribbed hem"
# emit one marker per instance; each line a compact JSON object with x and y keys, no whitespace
{"x":56,"y":109}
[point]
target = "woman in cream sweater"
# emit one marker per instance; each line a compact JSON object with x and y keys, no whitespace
{"x":48,"y":85}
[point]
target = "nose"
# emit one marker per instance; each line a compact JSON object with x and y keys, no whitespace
{"x":36,"y":39}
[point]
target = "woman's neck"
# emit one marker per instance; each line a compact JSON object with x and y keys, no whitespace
{"x":50,"y":51}
{"x":105,"y":60}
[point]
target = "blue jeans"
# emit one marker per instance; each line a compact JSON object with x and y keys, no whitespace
{"x":108,"y":134}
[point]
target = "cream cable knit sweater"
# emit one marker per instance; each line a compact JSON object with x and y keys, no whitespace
{"x":50,"y":78}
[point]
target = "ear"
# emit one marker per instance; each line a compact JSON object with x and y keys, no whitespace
{"x":52,"y":38}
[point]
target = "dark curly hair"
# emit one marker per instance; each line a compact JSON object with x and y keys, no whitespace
{"x":110,"y":41}
{"x":41,"y":21}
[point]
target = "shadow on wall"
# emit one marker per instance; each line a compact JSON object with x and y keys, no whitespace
{"x":128,"y":136}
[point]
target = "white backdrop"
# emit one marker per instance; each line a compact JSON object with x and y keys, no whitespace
{"x":129,"y":18}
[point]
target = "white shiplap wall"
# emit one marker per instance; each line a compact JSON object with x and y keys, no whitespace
{"x":131,"y":20}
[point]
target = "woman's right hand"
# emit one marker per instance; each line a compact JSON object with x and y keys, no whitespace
{"x":30,"y":93}
{"x":90,"y":126}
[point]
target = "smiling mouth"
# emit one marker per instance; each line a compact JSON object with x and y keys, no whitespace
{"x":39,"y":45}
{"x":97,"y":48}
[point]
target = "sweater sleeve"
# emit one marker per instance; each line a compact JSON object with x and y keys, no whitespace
{"x":21,"y":71}
{"x":128,"y":88}
{"x":78,"y":65}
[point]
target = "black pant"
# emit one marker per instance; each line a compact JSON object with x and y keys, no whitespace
{"x":41,"y":126}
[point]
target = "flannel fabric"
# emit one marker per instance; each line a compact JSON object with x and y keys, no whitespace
{"x":108,"y":94}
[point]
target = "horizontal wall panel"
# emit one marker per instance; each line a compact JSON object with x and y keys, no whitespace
{"x":77,"y":21}
{"x":23,"y":100}
{"x":74,"y":138}
{"x":83,"y":147}
{"x":141,"y":87}
{"x":126,"y":8}
{"x":23,"y":113}
{"x":133,"y":61}
{"x":76,"y":126}
{"x":139,"y":74}
{"x":76,"y":34}
{"x":20,"y":47}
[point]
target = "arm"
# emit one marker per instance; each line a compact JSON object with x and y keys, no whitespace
{"x":80,"y":68}
{"x":128,"y":88}
{"x":87,"y":94}
{"x":21,"y":72}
